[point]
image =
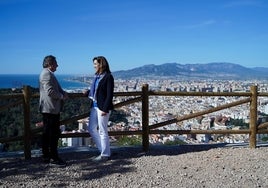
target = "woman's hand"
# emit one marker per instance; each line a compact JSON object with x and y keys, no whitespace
{"x":86,"y":92}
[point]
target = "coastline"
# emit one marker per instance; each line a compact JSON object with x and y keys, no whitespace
{"x":67,"y":81}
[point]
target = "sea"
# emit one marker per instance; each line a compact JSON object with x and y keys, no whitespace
{"x":15,"y":81}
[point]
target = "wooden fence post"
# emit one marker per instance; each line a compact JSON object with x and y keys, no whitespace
{"x":27,"y":124}
{"x":253,"y":117}
{"x":145,"y":117}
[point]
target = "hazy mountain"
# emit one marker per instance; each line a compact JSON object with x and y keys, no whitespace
{"x":261,"y":69}
{"x":209,"y":70}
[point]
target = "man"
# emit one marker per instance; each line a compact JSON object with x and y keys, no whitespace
{"x":50,"y":105}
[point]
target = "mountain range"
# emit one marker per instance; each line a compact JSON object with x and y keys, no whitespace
{"x":215,"y":70}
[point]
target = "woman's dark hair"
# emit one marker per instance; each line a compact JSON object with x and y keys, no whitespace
{"x":49,"y":60}
{"x":104,"y":65}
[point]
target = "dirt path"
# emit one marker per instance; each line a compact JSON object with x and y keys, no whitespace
{"x":163,"y":166}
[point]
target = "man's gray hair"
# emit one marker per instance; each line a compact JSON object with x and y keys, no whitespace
{"x":48,"y":60}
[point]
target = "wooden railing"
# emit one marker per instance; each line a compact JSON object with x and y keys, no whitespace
{"x":143,"y":97}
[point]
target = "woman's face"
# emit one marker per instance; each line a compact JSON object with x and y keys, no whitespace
{"x":96,"y":66}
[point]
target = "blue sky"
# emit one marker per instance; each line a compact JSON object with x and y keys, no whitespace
{"x":131,"y":33}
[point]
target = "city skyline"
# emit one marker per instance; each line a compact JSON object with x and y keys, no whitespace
{"x":131,"y":33}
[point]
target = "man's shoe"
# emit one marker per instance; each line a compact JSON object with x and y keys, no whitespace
{"x":101,"y":158}
{"x":58,"y":162}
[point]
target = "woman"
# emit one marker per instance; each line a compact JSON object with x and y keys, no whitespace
{"x":101,"y":92}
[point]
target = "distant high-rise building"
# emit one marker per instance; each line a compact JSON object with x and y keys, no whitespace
{"x":266,"y":109}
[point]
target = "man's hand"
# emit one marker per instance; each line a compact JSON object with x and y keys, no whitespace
{"x":103,"y":113}
{"x":65,"y":96}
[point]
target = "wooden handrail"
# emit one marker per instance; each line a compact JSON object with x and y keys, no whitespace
{"x":193,"y":115}
{"x":16,"y":103}
{"x":263,"y":126}
{"x":143,"y":97}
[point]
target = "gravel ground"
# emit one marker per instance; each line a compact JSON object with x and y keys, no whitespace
{"x":212,"y":165}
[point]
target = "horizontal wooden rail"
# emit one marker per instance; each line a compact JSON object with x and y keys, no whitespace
{"x":262,"y":94}
{"x":16,"y":103}
{"x":111,"y":133}
{"x":193,"y":115}
{"x":171,"y":93}
{"x":127,"y":102}
{"x":193,"y":131}
{"x":74,"y":118}
{"x":11,"y":96}
{"x":263,"y":126}
{"x":11,"y":139}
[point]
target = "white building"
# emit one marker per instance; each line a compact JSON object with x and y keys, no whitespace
{"x":266,"y":109}
{"x":78,"y":141}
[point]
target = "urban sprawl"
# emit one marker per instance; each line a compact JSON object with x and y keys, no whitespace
{"x":163,"y":108}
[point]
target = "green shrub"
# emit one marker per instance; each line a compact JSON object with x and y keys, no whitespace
{"x":264,"y":139}
{"x":129,"y":141}
{"x":175,"y":142}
